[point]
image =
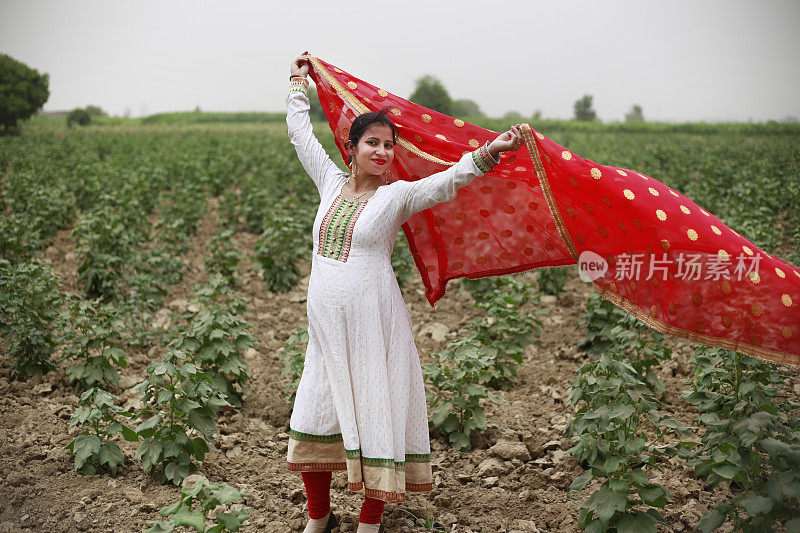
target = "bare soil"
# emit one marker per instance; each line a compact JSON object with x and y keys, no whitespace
{"x":488,"y":489}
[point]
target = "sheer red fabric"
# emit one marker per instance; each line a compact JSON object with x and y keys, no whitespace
{"x":646,"y":247}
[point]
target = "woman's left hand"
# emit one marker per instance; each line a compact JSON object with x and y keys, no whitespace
{"x":508,"y":141}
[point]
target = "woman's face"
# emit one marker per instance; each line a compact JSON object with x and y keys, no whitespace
{"x":375,"y":150}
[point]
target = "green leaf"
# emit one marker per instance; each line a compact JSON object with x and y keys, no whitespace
{"x":728,"y":471}
{"x":145,"y":427}
{"x":149,"y":453}
{"x":163,"y":396}
{"x":608,"y":502}
{"x":460,"y":441}
{"x":170,"y":470}
{"x":638,"y":522}
{"x":202,"y":423}
{"x":711,"y":521}
{"x":189,"y":518}
{"x":440,"y":413}
{"x":479,"y":418}
{"x":227,"y":494}
{"x":111,"y":455}
{"x":233,"y":520}
{"x":581,"y":481}
{"x":162,"y":526}
{"x":85,"y":446}
{"x":653,"y":495}
{"x":129,"y":434}
{"x":755,"y":504}
{"x":611,"y":464}
{"x":170,"y":509}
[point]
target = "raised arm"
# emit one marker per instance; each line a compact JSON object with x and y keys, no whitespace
{"x":310,"y":152}
{"x":443,"y":186}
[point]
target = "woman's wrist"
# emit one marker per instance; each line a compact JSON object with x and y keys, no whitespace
{"x":298,"y":84}
{"x":484,"y":159}
{"x":493,"y":151}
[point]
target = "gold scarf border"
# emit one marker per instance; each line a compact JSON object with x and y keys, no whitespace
{"x":533,"y":151}
{"x":770,"y":356}
{"x":359,"y":106}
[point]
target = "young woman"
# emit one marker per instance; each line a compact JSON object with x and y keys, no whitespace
{"x":360,"y":404}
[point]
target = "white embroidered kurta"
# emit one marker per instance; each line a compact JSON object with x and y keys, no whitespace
{"x":360,"y":404}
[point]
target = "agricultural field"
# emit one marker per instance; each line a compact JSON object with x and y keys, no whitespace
{"x":153,"y":277}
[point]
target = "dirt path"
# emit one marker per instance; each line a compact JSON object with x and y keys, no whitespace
{"x":515,"y":480}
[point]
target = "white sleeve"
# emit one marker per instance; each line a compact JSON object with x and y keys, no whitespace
{"x":440,"y":187}
{"x":312,"y":155}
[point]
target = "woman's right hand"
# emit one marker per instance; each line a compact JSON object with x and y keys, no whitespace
{"x":300,"y":66}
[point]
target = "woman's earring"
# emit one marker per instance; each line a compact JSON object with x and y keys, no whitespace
{"x":354,"y":168}
{"x":385,"y":176}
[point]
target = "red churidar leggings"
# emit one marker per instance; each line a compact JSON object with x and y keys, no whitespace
{"x":318,"y":492}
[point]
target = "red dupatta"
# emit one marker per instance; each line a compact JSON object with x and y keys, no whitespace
{"x":669,"y":262}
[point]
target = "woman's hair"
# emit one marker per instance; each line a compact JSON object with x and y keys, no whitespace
{"x":363,"y":122}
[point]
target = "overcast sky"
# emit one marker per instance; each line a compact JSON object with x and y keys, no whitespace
{"x":681,"y":60}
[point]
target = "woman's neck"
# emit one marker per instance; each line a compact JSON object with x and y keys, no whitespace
{"x":363,"y":183}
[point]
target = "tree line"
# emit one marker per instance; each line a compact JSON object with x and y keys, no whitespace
{"x":23,"y":92}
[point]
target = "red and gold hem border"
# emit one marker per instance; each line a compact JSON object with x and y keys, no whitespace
{"x":767,"y":355}
{"x":316,"y":467}
{"x":390,"y":496}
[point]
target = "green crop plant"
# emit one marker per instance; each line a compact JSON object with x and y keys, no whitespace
{"x":38,"y":196}
{"x":293,"y":351}
{"x":95,"y":341}
{"x":750,"y":442}
{"x":600,"y":319}
{"x":485,"y":357}
{"x":93,"y":448}
{"x":223,"y":256}
{"x":19,"y":240}
{"x":459,"y":376}
{"x":617,"y":430}
{"x":207,"y":497}
{"x":179,"y":401}
{"x":217,"y":290}
{"x":107,"y":239}
{"x":216,"y":338}
{"x":482,"y":289}
{"x":643,"y":346}
{"x":507,"y":329}
{"x":552,"y":280}
{"x":185,"y":205}
{"x":29,"y":316}
{"x":284,"y":242}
